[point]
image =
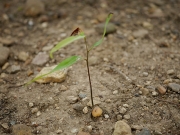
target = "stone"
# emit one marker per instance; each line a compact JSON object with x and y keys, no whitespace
{"x":57,"y":76}
{"x":31,"y":104}
{"x":47,"y":48}
{"x":34,"y":110}
{"x":38,"y":113}
{"x":89,"y":128}
{"x":63,"y":88}
{"x":6,"y":65}
{"x":154,"y":93}
{"x":170,"y":72}
{"x":127,"y":117}
{"x":161,"y":89}
{"x":122,"y":110}
{"x":5,"y":126}
{"x":122,"y":128}
{"x":115,"y":92}
{"x":44,"y":25}
{"x":72,"y":99}
{"x":83,"y":133}
{"x":14,"y":69}
{"x":97,"y":111}
{"x":33,"y":8}
{"x":167,"y":81}
{"x":23,"y":56}
{"x":21,"y":129}
{"x":174,"y":87}
{"x":144,"y":91}
{"x":126,"y":105}
{"x":85,"y":110}
{"x":78,"y":107}
{"x":106,"y":116}
{"x":82,"y":95}
{"x":40,"y":59}
{"x":4,"y":51}
{"x":140,"y":33}
{"x":136,"y":127}
{"x":59,"y":131}
{"x":111,"y":28}
{"x":147,"y":25}
{"x":74,"y":130}
{"x":145,"y":74}
{"x":6,"y":41}
{"x":144,"y":131}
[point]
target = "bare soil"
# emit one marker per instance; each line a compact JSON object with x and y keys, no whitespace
{"x":118,"y":76}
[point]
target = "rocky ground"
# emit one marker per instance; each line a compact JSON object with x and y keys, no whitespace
{"x":135,"y":72}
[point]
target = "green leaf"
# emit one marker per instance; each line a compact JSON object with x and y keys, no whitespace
{"x":64,"y":64}
{"x":104,"y":33}
{"x":65,"y":42}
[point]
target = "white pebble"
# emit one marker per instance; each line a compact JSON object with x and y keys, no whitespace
{"x":115,"y":92}
{"x":106,"y":116}
{"x":38,"y":113}
{"x":85,"y":110}
{"x":31,"y":104}
{"x":125,"y":105}
{"x":154,"y":93}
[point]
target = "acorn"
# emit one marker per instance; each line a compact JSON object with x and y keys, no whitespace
{"x":97,"y":111}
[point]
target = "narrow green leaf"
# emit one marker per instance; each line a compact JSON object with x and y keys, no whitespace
{"x":65,"y":42}
{"x":104,"y":33}
{"x":64,"y":64}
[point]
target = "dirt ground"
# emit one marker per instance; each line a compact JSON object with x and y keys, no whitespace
{"x":126,"y":69}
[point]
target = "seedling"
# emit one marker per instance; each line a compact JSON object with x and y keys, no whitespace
{"x":76,"y":35}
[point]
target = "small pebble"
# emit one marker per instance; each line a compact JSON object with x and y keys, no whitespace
{"x":167,"y":81}
{"x":34,"y":110}
{"x":74,"y":130}
{"x":154,"y":93}
{"x":38,"y":113}
{"x":97,"y":111}
{"x":72,"y":99}
{"x":59,"y":131}
{"x":115,"y":92}
{"x":145,"y":74}
{"x":144,"y":91}
{"x":78,"y":107}
{"x":6,"y":65}
{"x":31,"y":104}
{"x":63,"y":88}
{"x":122,"y":110}
{"x":161,"y":89}
{"x":127,"y":116}
{"x":106,"y":116}
{"x":174,"y":87}
{"x":85,"y":110}
{"x":82,"y":95}
{"x":125,"y":105}
{"x":89,"y":128}
{"x":144,"y":131}
{"x":170,"y":72}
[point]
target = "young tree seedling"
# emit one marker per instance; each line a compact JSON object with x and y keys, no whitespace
{"x":76,"y":35}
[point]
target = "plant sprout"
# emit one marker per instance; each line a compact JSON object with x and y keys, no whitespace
{"x":76,"y":35}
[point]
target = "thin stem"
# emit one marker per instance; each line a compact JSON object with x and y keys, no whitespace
{"x":89,"y":76}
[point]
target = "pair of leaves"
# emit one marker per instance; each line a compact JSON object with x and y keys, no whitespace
{"x":73,"y":59}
